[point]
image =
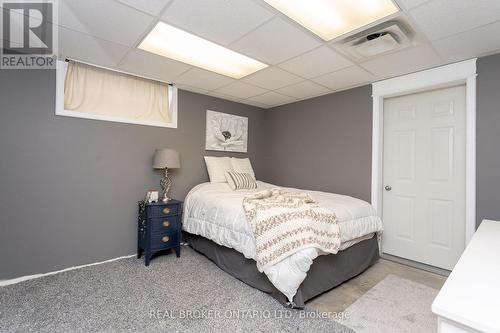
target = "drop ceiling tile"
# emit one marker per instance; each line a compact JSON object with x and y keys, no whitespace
{"x":241,"y":90}
{"x":87,"y":48}
{"x":271,"y":98}
{"x":152,"y":7}
{"x":408,"y":4}
{"x":200,"y":78}
{"x":107,"y":20}
{"x":224,"y":96}
{"x":192,"y":89}
{"x":275,"y":41}
{"x":257,"y":104}
{"x":152,"y":65}
{"x":303,"y":90}
{"x":317,"y":62}
{"x":272,"y":78}
{"x":220,"y":21}
{"x":345,"y":78}
{"x":403,"y":62}
{"x":442,"y":18}
{"x":470,"y":44}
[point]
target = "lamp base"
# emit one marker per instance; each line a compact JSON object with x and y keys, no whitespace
{"x":165,"y":184}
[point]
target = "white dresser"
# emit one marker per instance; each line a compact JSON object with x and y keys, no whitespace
{"x":470,"y":298}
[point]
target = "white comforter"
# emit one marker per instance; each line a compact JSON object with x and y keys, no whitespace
{"x":215,"y":212}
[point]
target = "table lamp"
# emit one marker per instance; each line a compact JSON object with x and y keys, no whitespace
{"x":165,"y":159}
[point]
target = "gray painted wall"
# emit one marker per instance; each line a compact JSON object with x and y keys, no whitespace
{"x":322,"y":143}
{"x":488,"y":139}
{"x":69,"y":186}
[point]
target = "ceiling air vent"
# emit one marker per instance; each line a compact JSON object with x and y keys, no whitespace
{"x":384,"y":38}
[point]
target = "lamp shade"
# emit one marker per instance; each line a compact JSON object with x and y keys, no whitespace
{"x":166,"y":158}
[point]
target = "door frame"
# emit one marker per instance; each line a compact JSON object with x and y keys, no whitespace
{"x":441,"y":77}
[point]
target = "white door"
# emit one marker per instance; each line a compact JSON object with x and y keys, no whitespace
{"x":424,"y":176}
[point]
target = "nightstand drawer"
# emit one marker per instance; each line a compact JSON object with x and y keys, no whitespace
{"x":165,"y":224}
{"x":164,"y":241}
{"x":160,"y":211}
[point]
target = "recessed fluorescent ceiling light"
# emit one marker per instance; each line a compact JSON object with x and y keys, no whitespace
{"x":177,"y":44}
{"x":332,"y":18}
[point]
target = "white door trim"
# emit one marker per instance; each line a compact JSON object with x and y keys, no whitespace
{"x":459,"y":73}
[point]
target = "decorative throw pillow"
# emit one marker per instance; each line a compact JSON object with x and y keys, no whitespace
{"x":240,"y":181}
{"x":242,"y":165}
{"x":217,"y":168}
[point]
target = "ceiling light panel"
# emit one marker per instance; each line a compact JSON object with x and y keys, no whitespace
{"x":174,"y":43}
{"x":332,"y":18}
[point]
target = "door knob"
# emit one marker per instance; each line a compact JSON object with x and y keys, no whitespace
{"x":388,"y":188}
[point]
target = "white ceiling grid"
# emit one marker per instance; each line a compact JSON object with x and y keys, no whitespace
{"x":107,"y":32}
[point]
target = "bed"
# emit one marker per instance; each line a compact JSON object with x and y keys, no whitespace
{"x":215,"y":225}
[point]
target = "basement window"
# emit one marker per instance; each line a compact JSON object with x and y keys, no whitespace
{"x":93,"y":92}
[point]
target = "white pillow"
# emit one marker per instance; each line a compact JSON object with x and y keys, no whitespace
{"x":217,"y":168}
{"x":242,"y":165}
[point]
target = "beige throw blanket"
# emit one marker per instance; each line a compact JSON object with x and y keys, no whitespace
{"x":283,"y":223}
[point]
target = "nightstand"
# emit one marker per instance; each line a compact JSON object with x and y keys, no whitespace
{"x":159,"y":228}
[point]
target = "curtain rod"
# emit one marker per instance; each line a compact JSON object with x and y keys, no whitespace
{"x":66,"y":59}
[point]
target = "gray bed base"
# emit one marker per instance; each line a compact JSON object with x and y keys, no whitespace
{"x":326,"y":272}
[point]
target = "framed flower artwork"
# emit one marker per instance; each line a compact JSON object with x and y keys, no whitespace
{"x":226,"y":132}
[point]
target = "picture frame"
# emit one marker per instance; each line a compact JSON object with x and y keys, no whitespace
{"x":152,"y":196}
{"x":226,"y":132}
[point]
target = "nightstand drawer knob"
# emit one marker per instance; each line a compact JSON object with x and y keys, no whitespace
{"x":166,"y":210}
{"x":165,"y":239}
{"x":166,"y":224}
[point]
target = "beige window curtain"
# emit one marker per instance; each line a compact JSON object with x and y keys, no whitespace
{"x":111,"y":94}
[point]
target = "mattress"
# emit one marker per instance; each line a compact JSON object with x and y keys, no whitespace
{"x":215,"y":212}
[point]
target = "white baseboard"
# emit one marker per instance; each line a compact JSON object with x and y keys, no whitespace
{"x":35,"y":276}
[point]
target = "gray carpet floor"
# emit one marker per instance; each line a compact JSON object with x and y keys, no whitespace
{"x":186,"y":294}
